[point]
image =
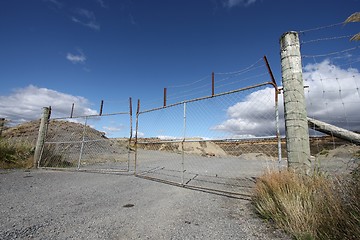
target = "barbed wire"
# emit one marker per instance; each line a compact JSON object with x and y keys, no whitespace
{"x":242,"y":70}
{"x":239,"y":74}
{"x":118,"y":102}
{"x":244,"y":79}
{"x":331,"y":53}
{"x":327,"y":39}
{"x":183,"y":97}
{"x":193,"y":91}
{"x":321,"y":28}
{"x":190,"y":84}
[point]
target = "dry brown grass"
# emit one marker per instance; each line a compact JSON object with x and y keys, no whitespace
{"x":310,"y":207}
{"x":355,"y":17}
{"x":15,"y":154}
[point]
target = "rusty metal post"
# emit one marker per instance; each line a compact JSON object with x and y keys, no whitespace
{"x":2,"y":123}
{"x":72,"y":110}
{"x":41,"y":136}
{"x":277,"y":92}
{"x":131,"y":117}
{"x":131,"y":131}
{"x":101,"y":107}
{"x":165,"y":91}
{"x":270,"y":71}
{"x":296,"y":125}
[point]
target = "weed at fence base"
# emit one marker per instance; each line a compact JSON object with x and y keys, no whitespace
{"x":52,"y":159}
{"x":15,"y":154}
{"x":310,"y":207}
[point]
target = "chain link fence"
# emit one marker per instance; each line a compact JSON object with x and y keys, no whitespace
{"x":218,"y":143}
{"x":92,"y":143}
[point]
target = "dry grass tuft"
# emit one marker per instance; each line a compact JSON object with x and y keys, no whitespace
{"x":310,"y":207}
{"x":356,"y":37}
{"x":355,"y":17}
{"x":15,"y":154}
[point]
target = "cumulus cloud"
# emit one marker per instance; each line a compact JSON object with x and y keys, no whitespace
{"x":254,"y":116}
{"x":86,"y":18}
{"x":76,"y":58}
{"x":332,"y":96}
{"x":234,"y":3}
{"x":26,"y":104}
{"x":111,"y":130}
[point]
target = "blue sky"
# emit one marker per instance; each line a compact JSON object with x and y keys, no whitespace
{"x":54,"y":52}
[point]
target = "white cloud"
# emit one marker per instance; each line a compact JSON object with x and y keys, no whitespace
{"x":140,"y":134}
{"x":234,"y":3}
{"x":113,"y":129}
{"x":76,"y":58}
{"x":332,"y":96}
{"x":110,"y":130}
{"x":86,"y":13}
{"x":26,"y":104}
{"x":254,"y":116}
{"x":86,"y":18}
{"x":163,"y":137}
{"x":102,"y":3}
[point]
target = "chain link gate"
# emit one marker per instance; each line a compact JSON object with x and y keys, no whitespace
{"x":216,"y":143}
{"x":89,"y":143}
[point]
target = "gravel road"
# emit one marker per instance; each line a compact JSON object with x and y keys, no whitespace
{"x":42,"y":204}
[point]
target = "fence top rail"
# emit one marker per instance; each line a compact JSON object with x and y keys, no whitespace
{"x":189,"y":140}
{"x":208,"y":97}
{"x":91,"y":116}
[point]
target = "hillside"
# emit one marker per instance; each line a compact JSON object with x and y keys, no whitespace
{"x":64,"y":139}
{"x":57,"y":131}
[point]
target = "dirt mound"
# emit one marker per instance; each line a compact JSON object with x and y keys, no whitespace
{"x":64,"y":140}
{"x":27,"y":132}
{"x":340,"y":160}
{"x":203,"y":148}
{"x":57,"y":131}
{"x":191,"y":146}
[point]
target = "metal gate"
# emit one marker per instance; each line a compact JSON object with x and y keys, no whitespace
{"x":215,"y":143}
{"x":89,"y":143}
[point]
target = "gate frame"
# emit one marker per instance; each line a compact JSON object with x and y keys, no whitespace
{"x":182,"y":184}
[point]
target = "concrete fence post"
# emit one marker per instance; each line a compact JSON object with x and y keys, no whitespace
{"x":296,"y":125}
{"x":2,"y":124}
{"x":41,"y":136}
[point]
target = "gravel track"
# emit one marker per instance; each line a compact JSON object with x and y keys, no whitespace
{"x":42,"y":204}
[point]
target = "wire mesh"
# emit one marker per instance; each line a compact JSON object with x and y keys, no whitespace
{"x":91,"y":143}
{"x":218,"y":142}
{"x":331,"y":64}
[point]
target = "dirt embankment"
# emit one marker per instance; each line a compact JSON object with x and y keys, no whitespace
{"x":64,"y":140}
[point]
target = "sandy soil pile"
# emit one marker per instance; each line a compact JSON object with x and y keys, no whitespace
{"x":339,"y":160}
